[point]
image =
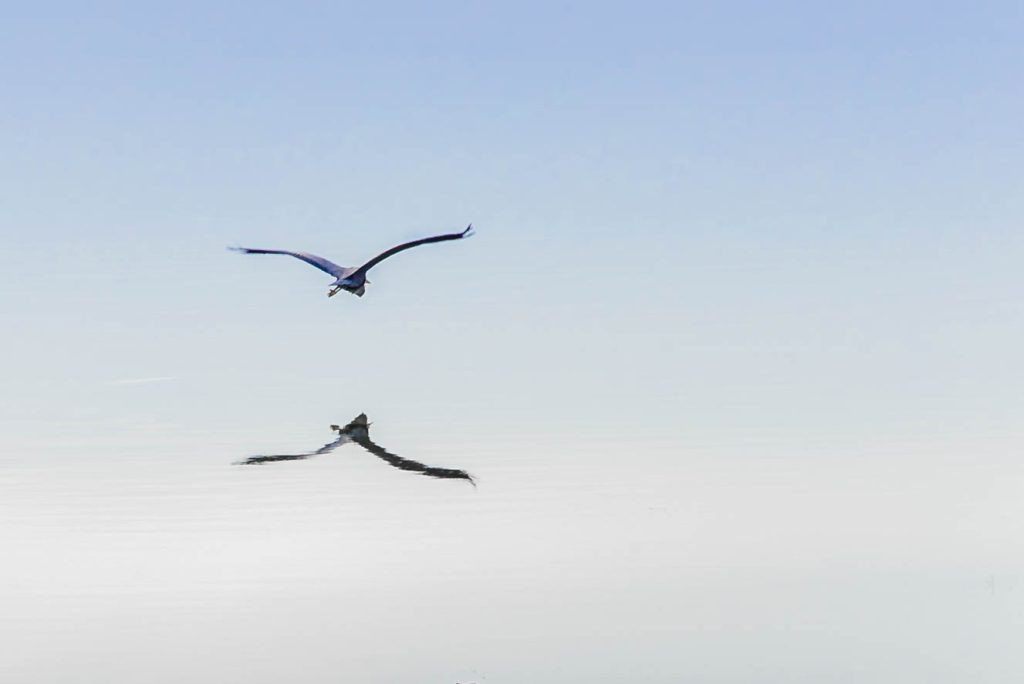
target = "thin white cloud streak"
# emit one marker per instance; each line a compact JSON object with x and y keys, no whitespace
{"x":141,"y":381}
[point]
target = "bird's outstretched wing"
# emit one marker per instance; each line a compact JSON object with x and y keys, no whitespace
{"x":409,"y":245}
{"x":363,"y":440}
{"x":311,"y":259}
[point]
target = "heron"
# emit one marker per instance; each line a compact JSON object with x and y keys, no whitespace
{"x":353,"y":279}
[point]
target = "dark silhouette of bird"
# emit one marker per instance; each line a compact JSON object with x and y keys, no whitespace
{"x":358,"y":431}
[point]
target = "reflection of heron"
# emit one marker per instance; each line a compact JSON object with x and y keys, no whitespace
{"x":358,"y":431}
{"x":353,"y":279}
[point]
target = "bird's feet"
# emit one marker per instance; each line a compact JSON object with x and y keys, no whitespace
{"x":333,"y":292}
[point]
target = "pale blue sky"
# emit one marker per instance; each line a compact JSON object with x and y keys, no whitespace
{"x":796,"y":215}
{"x":735,"y":353}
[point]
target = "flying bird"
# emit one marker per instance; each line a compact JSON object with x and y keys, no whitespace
{"x":358,"y":431}
{"x":353,"y":278}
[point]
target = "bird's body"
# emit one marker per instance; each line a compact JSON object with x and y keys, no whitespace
{"x":353,"y":279}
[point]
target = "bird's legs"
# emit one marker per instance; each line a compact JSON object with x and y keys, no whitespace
{"x":334,"y":291}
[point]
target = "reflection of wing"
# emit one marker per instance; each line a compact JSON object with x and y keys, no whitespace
{"x":260,"y":460}
{"x":344,"y":437}
{"x":363,"y":440}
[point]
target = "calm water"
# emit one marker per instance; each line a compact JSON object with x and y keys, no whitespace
{"x":151,"y":554}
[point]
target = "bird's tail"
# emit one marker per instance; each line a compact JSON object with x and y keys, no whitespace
{"x":469,"y":231}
